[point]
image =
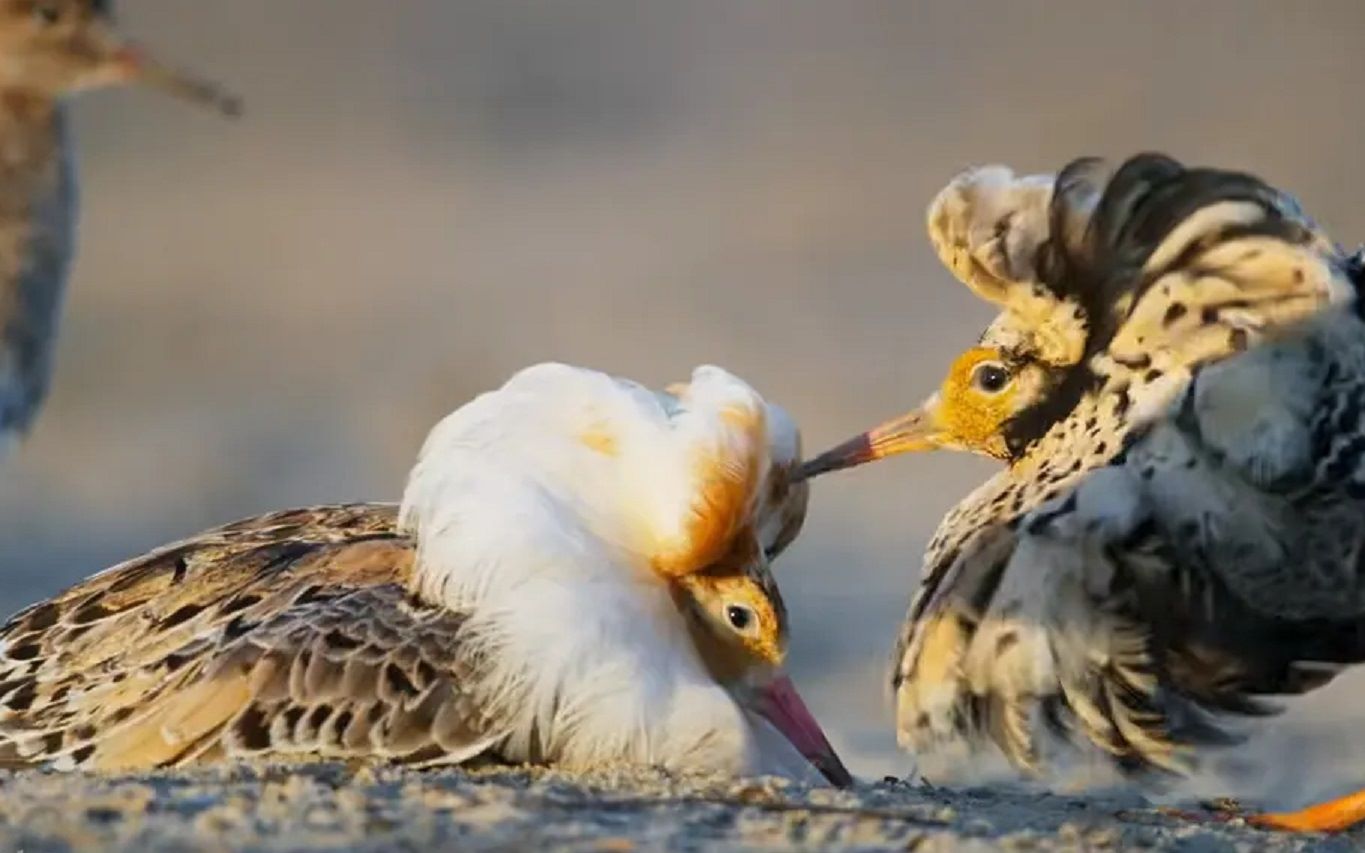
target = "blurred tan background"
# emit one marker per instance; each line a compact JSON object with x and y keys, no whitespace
{"x":426,"y":195}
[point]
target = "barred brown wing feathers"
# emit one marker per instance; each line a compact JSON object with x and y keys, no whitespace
{"x":288,"y":634}
{"x":369,"y":674}
{"x":135,"y":611}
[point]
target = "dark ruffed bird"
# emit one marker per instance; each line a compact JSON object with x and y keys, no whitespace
{"x":50,"y":49}
{"x":1180,"y":530}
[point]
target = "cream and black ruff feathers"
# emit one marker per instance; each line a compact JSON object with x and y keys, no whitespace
{"x":51,"y":49}
{"x":1174,"y":269}
{"x":579,"y":574}
{"x":1091,"y":584}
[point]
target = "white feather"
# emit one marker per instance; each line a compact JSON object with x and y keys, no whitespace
{"x":536,"y":508}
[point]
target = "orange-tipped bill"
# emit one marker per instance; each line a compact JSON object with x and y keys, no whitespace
{"x":134,"y":65}
{"x":914,"y":432}
{"x":781,"y":705}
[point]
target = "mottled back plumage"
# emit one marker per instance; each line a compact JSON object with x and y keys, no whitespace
{"x":292,"y":632}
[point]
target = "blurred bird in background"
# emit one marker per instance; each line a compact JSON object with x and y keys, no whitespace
{"x":49,"y":50}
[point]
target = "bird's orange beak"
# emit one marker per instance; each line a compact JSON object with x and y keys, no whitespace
{"x":913,"y":432}
{"x":781,"y":705}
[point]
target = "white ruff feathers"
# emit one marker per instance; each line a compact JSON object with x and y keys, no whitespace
{"x":539,"y":508}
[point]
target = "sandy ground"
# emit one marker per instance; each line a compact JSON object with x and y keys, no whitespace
{"x":331,"y":807}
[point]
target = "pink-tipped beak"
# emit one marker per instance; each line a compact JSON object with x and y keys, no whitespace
{"x":781,"y":705}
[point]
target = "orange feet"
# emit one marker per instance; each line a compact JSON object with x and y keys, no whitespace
{"x":1331,"y":816}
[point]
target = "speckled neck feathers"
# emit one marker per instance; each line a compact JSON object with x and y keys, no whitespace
{"x":1172,"y":268}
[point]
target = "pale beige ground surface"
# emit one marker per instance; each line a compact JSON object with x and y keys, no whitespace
{"x":429,"y":194}
{"x":329,"y":808}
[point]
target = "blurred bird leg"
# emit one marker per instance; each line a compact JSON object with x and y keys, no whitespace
{"x":1331,"y":816}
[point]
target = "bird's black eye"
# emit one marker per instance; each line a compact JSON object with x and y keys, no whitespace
{"x":740,"y":617}
{"x":991,"y":377}
{"x":47,"y":13}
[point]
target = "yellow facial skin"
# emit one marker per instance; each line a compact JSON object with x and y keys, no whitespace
{"x":738,"y":620}
{"x":984,"y":388}
{"x":980,"y":393}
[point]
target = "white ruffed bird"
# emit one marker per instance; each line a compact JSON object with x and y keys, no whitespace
{"x":578,"y":575}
